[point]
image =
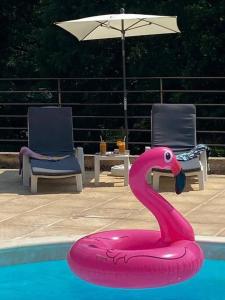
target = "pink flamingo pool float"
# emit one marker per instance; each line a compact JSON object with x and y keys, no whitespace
{"x":142,"y":258}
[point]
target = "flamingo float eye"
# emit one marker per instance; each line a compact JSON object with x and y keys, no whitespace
{"x":168,"y":156}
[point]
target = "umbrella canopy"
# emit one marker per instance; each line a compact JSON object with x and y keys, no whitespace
{"x":120,"y":25}
{"x":114,"y":26}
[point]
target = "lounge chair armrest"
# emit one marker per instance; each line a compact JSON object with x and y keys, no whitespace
{"x":79,"y":153}
{"x":149,"y":174}
{"x":147,"y":148}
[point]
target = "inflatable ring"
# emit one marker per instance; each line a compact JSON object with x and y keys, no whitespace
{"x":142,"y":258}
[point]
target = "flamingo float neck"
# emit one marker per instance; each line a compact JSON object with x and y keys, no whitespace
{"x":173,"y":225}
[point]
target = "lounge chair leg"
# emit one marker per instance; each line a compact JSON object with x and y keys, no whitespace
{"x":79,"y":182}
{"x":34,"y":180}
{"x":80,"y":157}
{"x":26,"y":171}
{"x":155,"y":181}
{"x":149,"y":178}
{"x":201,"y":180}
{"x":203,"y":159}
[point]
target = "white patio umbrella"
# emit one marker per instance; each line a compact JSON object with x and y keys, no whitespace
{"x":120,"y":26}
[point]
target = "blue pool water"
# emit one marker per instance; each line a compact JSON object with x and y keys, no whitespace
{"x":54,"y":280}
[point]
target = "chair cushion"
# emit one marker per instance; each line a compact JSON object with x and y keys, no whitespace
{"x":65,"y":166}
{"x":174,"y":126}
{"x":192,"y":165}
{"x":50,"y":130}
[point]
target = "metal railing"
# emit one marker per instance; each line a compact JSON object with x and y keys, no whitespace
{"x":98,"y":107}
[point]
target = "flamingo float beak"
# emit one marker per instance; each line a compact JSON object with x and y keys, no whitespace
{"x":180,"y":182}
{"x":179,"y":177}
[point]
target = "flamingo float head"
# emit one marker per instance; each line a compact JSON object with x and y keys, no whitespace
{"x":164,"y":158}
{"x":156,"y":158}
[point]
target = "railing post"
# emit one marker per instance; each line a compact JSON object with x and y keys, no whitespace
{"x":161,"y":90}
{"x":59,"y":92}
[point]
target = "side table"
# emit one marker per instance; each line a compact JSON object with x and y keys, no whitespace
{"x":123,"y":157}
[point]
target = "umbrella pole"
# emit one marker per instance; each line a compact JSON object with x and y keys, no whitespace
{"x":124,"y":84}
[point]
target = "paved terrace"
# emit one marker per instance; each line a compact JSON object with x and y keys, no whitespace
{"x":57,"y":211}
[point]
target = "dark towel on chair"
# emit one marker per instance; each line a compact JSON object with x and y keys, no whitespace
{"x":195,"y":152}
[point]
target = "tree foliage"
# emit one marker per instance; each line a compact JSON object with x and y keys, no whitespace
{"x":31,"y":45}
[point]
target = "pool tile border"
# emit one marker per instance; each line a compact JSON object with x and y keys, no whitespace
{"x":56,"y":249}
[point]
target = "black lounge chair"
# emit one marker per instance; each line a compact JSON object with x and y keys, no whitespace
{"x":50,"y":133}
{"x":174,"y":126}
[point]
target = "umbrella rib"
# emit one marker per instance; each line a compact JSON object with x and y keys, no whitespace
{"x":90,"y":32}
{"x":104,"y":25}
{"x":150,"y":23}
{"x":128,"y":28}
{"x":131,"y":27}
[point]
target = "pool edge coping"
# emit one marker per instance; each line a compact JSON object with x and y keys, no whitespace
{"x":31,"y":242}
{"x":42,"y":249}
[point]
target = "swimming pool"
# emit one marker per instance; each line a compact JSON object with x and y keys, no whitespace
{"x":54,"y":280}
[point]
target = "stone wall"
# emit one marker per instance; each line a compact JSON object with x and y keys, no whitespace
{"x":9,"y":160}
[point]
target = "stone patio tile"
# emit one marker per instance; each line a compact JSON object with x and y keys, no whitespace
{"x":133,"y":224}
{"x":91,"y":223}
{"x":184,"y":208}
{"x":13,"y":231}
{"x":55,"y":211}
{"x":57,"y":231}
{"x":202,"y":217}
{"x":221,"y":232}
{"x":79,"y":202}
{"x":30,"y":200}
{"x":6,"y":215}
{"x":122,"y":203}
{"x":72,"y":227}
{"x":142,"y":215}
{"x":102,"y":212}
{"x":127,"y":196}
{"x":212,"y":208}
{"x":206,"y":229}
{"x":219,"y":200}
{"x":188,"y":199}
{"x":5,"y":197}
{"x":16,"y":207}
{"x":104,"y":187}
{"x":32,"y":219}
